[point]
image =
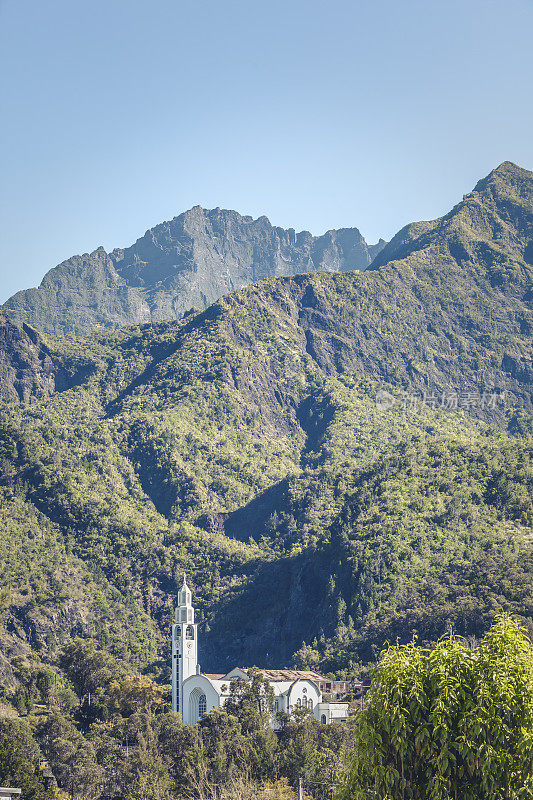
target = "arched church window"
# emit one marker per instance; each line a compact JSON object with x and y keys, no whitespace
{"x":202,"y":705}
{"x":299,"y":702}
{"x":189,"y":632}
{"x":310,"y":704}
{"x":323,"y":719}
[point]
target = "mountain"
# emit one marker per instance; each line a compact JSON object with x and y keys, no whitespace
{"x":190,"y":261}
{"x":490,"y":233}
{"x":334,"y":458}
{"x":27,"y":367}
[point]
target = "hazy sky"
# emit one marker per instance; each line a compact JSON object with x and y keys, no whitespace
{"x":117,"y":115}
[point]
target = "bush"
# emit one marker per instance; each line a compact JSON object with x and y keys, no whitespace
{"x":451,"y":722}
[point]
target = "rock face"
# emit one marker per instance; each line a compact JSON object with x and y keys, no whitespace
{"x":27,"y":368}
{"x":190,"y":261}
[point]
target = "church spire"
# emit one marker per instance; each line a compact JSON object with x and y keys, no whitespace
{"x":184,"y":610}
{"x":184,"y":644}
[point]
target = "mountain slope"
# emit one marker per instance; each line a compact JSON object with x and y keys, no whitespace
{"x":280,"y":448}
{"x":489,"y":233}
{"x":27,"y":367}
{"x":190,"y":261}
{"x":436,"y":535}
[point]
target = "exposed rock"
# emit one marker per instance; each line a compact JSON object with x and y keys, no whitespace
{"x":27,"y":368}
{"x":190,"y":261}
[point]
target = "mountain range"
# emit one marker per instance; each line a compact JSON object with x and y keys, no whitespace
{"x":188,"y":262}
{"x":336,"y":458}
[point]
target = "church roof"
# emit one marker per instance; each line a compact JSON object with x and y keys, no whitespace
{"x":290,"y":675}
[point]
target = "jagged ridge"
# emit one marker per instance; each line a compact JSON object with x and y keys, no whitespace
{"x":181,"y":440}
{"x":190,"y":261}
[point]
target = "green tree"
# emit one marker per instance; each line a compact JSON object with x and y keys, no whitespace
{"x":249,"y":710}
{"x":44,"y":682}
{"x":149,"y":773}
{"x":71,"y":757}
{"x":310,"y":750}
{"x":448,"y":723}
{"x":224,"y":749}
{"x":19,"y":757}
{"x":251,"y":700}
{"x":279,"y":790}
{"x":5,"y":597}
{"x":133,"y":693}
{"x":88,"y":667}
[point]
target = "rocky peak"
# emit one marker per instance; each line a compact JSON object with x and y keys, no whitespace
{"x":189,"y":261}
{"x":510,"y":176}
{"x":489,"y":232}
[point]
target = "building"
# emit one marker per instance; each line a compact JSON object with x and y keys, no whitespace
{"x":7,"y":794}
{"x":195,"y":693}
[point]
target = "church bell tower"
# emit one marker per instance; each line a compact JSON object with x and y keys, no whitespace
{"x":184,"y":646}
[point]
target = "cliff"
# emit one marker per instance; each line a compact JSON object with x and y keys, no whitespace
{"x":190,"y":261}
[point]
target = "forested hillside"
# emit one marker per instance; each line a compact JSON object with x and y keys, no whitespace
{"x":334,"y":458}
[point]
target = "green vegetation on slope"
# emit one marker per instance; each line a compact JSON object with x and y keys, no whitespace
{"x":436,"y":536}
{"x":245,"y":446}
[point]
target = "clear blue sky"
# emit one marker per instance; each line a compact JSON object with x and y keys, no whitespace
{"x":117,"y":115}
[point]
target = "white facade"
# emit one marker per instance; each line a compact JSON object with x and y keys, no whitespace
{"x":195,"y":694}
{"x":184,"y":645}
{"x":6,"y":793}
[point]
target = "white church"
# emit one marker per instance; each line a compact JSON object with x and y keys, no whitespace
{"x":194,"y":693}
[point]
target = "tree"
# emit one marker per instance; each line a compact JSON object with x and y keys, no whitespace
{"x":224,"y":750}
{"x":133,"y":693}
{"x":279,"y":790}
{"x":5,"y":597}
{"x":19,"y":756}
{"x":251,"y":700}
{"x":71,"y":757}
{"x":452,"y":723}
{"x":44,"y":682}
{"x":308,"y":749}
{"x":88,"y":667}
{"x":150,"y":778}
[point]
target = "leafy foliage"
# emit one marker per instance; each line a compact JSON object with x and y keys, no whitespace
{"x":448,"y":722}
{"x":251,"y":701}
{"x":18,"y":751}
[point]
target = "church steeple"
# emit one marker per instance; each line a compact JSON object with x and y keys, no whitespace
{"x":184,"y":645}
{"x":184,"y":610}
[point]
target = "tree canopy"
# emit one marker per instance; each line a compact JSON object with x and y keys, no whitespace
{"x":450,"y":723}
